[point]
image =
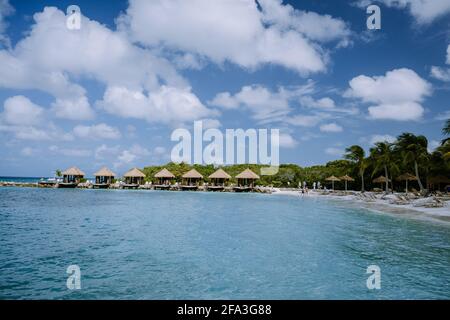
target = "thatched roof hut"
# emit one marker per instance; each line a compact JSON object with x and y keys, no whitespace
{"x":165,"y":178}
{"x":219,"y":179}
{"x":247,"y":174}
{"x":246,"y":178}
{"x":104,"y":177}
{"x":192,"y":174}
{"x":72,"y":176}
{"x":191,"y":179}
{"x":134,"y":177}
{"x":73,"y":171}
{"x":164,"y":173}
{"x":220,"y":174}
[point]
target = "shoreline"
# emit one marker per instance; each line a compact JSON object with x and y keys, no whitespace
{"x":441,"y":214}
{"x":377,"y":202}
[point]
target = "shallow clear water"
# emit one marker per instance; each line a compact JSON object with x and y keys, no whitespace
{"x":192,"y":245}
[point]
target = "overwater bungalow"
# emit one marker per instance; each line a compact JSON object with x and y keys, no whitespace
{"x":246,"y":181}
{"x":191,"y":180}
{"x":103,"y":178}
{"x":133,"y":179}
{"x":218,"y":180}
{"x":165,"y":179}
{"x":71,"y":178}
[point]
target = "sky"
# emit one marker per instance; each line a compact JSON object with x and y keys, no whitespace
{"x":111,"y":92}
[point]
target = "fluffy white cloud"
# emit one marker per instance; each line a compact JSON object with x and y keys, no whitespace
{"x":19,"y":110}
{"x":5,"y":10}
{"x":322,"y":103}
{"x":287,"y":141}
{"x":441,"y":73}
{"x":130,"y":156}
{"x":98,"y":131}
{"x":104,"y":152}
{"x":331,"y":127}
{"x":397,"y":94}
{"x":381,"y":138}
{"x":236,"y":31}
{"x":51,"y":56}
{"x":424,"y":11}
{"x":167,"y":105}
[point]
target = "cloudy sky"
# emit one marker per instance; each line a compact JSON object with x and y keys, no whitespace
{"x":112,"y":92}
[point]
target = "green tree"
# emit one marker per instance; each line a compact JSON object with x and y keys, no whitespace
{"x":357,"y":155}
{"x":414,"y":151}
{"x":382,"y":156}
{"x":58,"y":173}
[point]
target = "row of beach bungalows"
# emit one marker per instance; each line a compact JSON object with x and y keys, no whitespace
{"x":134,"y":178}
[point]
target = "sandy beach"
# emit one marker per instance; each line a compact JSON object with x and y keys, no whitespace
{"x":379,"y":203}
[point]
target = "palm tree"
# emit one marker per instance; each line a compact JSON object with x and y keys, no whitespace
{"x":414,"y":150}
{"x":446,"y":132}
{"x":356,"y":154}
{"x":58,"y":173}
{"x":382,"y":157}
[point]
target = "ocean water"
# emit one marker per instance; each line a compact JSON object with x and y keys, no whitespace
{"x":193,"y":245}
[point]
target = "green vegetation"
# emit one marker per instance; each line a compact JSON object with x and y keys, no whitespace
{"x":408,"y":154}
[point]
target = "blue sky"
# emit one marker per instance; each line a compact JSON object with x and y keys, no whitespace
{"x":112,"y":92}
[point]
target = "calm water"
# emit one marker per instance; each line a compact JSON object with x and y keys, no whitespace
{"x":182,"y":245}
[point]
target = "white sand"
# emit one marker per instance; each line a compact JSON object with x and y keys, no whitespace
{"x":382,"y":205}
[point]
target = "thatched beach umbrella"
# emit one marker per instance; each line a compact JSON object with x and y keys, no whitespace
{"x":438,"y":180}
{"x":406,"y":177}
{"x":381,"y":180}
{"x":332,"y":179}
{"x":346,"y":178}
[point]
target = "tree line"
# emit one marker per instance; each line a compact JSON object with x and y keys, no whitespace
{"x":408,"y":154}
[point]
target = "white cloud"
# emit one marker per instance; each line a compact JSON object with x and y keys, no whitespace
{"x":443,"y":116}
{"x":401,"y":111}
{"x":5,"y":10}
{"x":304,"y":120}
{"x":331,"y":127}
{"x":48,"y":59}
{"x":432,"y":145}
{"x":168,"y":105}
{"x":236,"y":31}
{"x":19,"y":110}
{"x":381,"y":138}
{"x":105,"y":152}
{"x":322,"y":103}
{"x":423,"y":11}
{"x":98,"y":131}
{"x":397,"y":94}
{"x":28,"y":151}
{"x":441,"y":73}
{"x":74,"y":109}
{"x":287,"y":141}
{"x":131,"y":156}
{"x":334,"y":151}
{"x":70,"y":152}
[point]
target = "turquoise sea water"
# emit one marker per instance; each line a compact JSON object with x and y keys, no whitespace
{"x":193,"y":245}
